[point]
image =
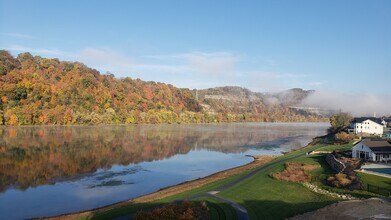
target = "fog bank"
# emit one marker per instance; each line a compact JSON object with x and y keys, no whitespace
{"x":358,"y":104}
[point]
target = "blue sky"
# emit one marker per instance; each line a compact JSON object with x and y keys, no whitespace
{"x":329,"y":45}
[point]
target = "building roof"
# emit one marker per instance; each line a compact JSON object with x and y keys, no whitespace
{"x":388,"y":120}
{"x":378,"y":145}
{"x":361,"y":119}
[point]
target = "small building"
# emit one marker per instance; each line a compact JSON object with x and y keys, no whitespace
{"x":378,"y":150}
{"x":386,"y":122}
{"x":367,"y":125}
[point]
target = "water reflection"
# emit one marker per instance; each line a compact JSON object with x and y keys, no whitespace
{"x":31,"y":156}
{"x":70,"y":168}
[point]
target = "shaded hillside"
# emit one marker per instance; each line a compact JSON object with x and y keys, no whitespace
{"x":36,"y":90}
{"x":289,"y":97}
{"x":230,"y":99}
{"x":264,"y":106}
{"x":240,"y":100}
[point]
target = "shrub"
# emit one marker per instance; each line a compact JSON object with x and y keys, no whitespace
{"x":295,"y":172}
{"x":184,"y":210}
{"x":342,"y":180}
{"x":344,"y":137}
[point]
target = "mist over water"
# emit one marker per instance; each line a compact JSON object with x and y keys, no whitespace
{"x":52,"y":170}
{"x":358,"y":104}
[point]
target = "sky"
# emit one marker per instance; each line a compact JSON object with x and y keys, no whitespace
{"x":337,"y":47}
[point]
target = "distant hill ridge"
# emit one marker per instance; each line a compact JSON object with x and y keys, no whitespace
{"x":36,"y":90}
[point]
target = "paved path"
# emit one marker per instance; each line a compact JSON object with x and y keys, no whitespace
{"x":240,"y":210}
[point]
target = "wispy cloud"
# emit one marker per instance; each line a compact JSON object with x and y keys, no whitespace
{"x":107,"y":59}
{"x":212,"y":63}
{"x":104,"y":58}
{"x":203,"y":62}
{"x":19,"y":48}
{"x":291,"y":75}
{"x":316,"y":83}
{"x":17,"y":35}
{"x":193,"y":69}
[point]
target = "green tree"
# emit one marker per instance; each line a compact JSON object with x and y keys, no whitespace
{"x":339,"y":122}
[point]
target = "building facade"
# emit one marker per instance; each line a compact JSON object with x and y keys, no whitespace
{"x":367,"y":125}
{"x":378,"y":150}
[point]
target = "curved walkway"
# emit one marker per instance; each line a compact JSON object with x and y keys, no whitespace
{"x":240,"y":210}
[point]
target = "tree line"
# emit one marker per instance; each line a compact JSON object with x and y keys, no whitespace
{"x":41,"y":91}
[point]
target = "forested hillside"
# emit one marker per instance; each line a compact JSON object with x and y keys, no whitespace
{"x":36,"y":90}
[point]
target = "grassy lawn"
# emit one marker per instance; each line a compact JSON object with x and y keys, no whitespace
{"x":219,"y":210}
{"x":267,"y":198}
{"x":263,"y":196}
{"x":378,"y":184}
{"x":133,"y":208}
{"x":375,"y":180}
{"x":342,"y":147}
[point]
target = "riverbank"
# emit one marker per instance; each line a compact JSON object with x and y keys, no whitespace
{"x":251,"y":187}
{"x":172,"y":190}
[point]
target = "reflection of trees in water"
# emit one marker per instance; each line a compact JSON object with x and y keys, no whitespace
{"x":31,"y":156}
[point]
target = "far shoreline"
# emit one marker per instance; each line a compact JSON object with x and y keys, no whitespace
{"x":182,"y":123}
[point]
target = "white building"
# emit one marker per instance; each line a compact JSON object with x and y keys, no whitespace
{"x":373,"y":150}
{"x":367,"y":125}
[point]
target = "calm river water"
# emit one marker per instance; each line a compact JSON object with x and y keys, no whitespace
{"x":47,"y":171}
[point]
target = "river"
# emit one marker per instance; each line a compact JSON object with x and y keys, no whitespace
{"x":52,"y":170}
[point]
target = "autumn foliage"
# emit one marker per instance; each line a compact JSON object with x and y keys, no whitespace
{"x":42,"y":91}
{"x":36,"y":90}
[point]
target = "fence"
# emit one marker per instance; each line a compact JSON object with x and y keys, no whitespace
{"x":378,"y":190}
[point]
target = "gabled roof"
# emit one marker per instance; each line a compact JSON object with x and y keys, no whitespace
{"x":378,"y":145}
{"x":361,"y":119}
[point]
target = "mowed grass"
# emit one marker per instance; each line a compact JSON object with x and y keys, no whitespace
{"x":218,"y":207}
{"x":219,"y":210}
{"x":375,"y":180}
{"x":267,"y":198}
{"x":133,"y":208}
{"x":341,"y":147}
{"x":263,"y":196}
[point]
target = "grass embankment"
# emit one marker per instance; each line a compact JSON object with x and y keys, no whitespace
{"x":374,"y":180}
{"x":332,"y":147}
{"x":268,"y":198}
{"x":263,"y":196}
{"x":215,"y":207}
